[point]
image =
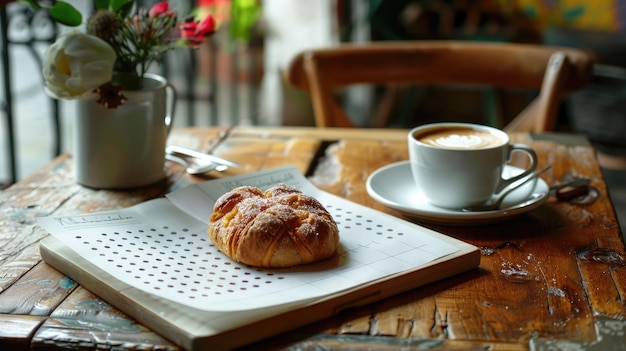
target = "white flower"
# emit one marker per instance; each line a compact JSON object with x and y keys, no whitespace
{"x":76,"y":64}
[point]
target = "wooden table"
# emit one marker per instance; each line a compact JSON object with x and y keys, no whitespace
{"x":554,"y":278}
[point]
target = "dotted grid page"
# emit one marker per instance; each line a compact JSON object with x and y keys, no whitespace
{"x":159,"y":248}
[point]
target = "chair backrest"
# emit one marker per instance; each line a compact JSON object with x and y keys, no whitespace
{"x":554,"y":71}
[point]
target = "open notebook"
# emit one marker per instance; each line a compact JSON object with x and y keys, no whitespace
{"x":155,"y":262}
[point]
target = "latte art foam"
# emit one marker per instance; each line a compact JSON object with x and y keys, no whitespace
{"x":460,"y":141}
{"x":459,"y":138}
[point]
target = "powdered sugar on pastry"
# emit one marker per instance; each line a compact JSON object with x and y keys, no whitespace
{"x":280,"y":227}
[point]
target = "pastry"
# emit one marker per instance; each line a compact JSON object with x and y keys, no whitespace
{"x":280,"y":227}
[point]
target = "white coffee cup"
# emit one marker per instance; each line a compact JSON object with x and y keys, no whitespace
{"x":456,"y":165}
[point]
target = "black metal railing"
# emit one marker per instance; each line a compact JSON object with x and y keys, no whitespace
{"x":21,"y":26}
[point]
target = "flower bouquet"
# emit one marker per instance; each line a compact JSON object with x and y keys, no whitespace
{"x":123,"y":113}
{"x":120,"y":44}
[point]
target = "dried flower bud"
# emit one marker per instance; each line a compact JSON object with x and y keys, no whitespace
{"x":104,"y":24}
{"x":110,"y":95}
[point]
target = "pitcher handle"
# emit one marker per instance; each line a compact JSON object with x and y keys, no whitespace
{"x":170,"y":93}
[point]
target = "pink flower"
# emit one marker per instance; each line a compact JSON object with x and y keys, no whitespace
{"x":160,"y":9}
{"x":194,"y":32}
{"x":206,"y":27}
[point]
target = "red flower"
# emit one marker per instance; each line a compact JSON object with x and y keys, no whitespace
{"x":206,"y":27}
{"x":194,"y":32}
{"x":160,"y":9}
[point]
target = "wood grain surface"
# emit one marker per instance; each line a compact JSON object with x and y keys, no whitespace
{"x":549,"y":279}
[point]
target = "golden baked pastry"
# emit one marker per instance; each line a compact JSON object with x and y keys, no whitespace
{"x":280,"y":227}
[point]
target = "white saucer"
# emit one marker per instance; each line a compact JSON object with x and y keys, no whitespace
{"x":393,"y":186}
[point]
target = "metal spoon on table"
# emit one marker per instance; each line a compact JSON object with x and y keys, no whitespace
{"x":496,"y":205}
{"x":198,"y":162}
{"x":187,"y":152}
{"x":204,"y":167}
{"x":194,"y":166}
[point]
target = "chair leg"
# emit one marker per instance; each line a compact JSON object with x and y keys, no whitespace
{"x":492,"y":102}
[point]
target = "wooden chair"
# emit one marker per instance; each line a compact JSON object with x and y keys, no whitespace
{"x":553,"y":71}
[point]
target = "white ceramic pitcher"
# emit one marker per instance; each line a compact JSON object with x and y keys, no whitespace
{"x":124,"y":147}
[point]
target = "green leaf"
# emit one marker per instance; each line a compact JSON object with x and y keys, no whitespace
{"x":101,"y":4}
{"x":66,"y":14}
{"x":123,"y":7}
{"x":32,"y":4}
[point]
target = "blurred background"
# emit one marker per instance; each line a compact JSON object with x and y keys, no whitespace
{"x":235,"y":77}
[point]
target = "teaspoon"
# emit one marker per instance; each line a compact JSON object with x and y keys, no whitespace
{"x":200,"y":167}
{"x":200,"y":156}
{"x":496,"y":205}
{"x":194,"y":166}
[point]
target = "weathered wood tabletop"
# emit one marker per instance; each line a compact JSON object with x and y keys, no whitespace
{"x":550,"y":279}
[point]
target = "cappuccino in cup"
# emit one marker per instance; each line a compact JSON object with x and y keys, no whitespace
{"x":457,"y":165}
{"x":459,"y":138}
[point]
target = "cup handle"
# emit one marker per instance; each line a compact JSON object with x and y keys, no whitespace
{"x":532,"y":156}
{"x":170,"y":93}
